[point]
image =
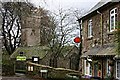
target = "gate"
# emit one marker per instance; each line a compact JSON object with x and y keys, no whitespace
{"x":20,"y":66}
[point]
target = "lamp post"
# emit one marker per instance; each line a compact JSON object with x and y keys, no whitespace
{"x":80,"y":51}
{"x":79,"y":40}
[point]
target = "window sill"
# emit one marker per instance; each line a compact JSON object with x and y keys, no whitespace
{"x":90,"y":37}
{"x":112,"y":32}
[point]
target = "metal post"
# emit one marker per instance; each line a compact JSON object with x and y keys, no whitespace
{"x":81,"y":40}
{"x":80,"y":47}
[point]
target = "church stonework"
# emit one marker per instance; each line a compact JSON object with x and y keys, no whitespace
{"x":31,"y":29}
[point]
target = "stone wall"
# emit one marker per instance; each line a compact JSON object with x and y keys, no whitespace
{"x":108,"y":37}
{"x":31,"y":30}
{"x":52,"y":72}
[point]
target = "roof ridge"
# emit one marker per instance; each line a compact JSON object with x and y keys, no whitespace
{"x":98,"y":5}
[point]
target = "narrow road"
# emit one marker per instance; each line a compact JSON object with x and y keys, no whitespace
{"x":18,"y":76}
{"x":15,"y":78}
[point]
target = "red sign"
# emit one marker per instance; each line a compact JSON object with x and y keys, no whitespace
{"x":77,"y":40}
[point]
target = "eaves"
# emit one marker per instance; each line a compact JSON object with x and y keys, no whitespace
{"x":97,"y":7}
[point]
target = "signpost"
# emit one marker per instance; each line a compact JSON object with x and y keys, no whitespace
{"x":44,"y":73}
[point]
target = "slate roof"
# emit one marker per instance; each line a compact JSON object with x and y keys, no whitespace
{"x":98,"y":5}
{"x":106,"y":50}
{"x":40,"y":52}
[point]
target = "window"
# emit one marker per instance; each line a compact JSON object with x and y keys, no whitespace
{"x":118,"y":69}
{"x":90,"y":28}
{"x":88,"y":68}
{"x":21,"y":53}
{"x":108,"y":67}
{"x":113,"y":19}
{"x":30,"y":68}
{"x":35,"y":59}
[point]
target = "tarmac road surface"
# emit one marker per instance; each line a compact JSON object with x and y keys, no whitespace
{"x":15,"y":78}
{"x":18,"y":76}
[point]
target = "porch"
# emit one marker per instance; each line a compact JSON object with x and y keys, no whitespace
{"x":99,"y":61}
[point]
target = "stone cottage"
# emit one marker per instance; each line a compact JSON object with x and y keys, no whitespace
{"x":43,"y":57}
{"x":99,"y":47}
{"x":32,"y":54}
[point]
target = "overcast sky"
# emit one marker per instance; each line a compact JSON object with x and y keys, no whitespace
{"x":56,"y":4}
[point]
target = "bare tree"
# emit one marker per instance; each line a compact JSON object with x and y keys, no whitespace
{"x":67,"y":28}
{"x":77,"y":14}
{"x":11,"y":25}
{"x":47,"y":26}
{"x":62,"y":35}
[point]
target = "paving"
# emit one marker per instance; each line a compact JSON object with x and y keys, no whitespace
{"x":15,"y":78}
{"x":18,"y":76}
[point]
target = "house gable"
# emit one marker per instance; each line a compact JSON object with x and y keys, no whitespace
{"x":104,"y":19}
{"x":96,"y":25}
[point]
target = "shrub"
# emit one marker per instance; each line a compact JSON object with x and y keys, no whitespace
{"x":7,"y":66}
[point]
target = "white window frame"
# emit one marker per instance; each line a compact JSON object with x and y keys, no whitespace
{"x":87,"y":68}
{"x":118,"y":77}
{"x":30,"y":68}
{"x":35,"y":59}
{"x":114,"y":19}
{"x":108,"y":67}
{"x":90,"y":28}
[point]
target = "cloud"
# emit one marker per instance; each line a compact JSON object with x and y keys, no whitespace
{"x":56,"y":4}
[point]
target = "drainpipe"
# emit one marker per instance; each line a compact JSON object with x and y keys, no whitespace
{"x":101,"y":25}
{"x":80,"y":53}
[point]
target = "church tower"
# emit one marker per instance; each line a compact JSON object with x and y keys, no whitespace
{"x":31,"y":29}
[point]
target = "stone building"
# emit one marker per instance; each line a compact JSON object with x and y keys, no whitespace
{"x":31,"y":29}
{"x":68,"y":60}
{"x":99,"y":48}
{"x":31,"y":46}
{"x":36,"y":28}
